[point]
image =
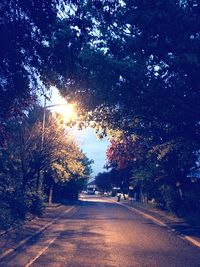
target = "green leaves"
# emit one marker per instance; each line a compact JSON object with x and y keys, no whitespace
{"x":29,"y":166}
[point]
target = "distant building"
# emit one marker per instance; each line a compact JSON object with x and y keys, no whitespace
{"x":91,"y":187}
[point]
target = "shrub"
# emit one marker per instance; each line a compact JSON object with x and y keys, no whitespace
{"x":11,"y":210}
{"x":15,"y":205}
{"x":192,"y":202}
{"x":34,"y":203}
{"x":171,"y":199}
{"x":6,"y":217}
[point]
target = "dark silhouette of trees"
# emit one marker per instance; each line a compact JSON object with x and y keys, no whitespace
{"x":103,"y":182}
{"x":139,"y":73}
{"x":133,"y":67}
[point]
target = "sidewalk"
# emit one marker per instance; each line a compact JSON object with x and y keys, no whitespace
{"x":185,"y":230}
{"x":21,"y":235}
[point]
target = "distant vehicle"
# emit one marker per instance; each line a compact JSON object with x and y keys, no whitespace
{"x":107,"y":193}
{"x":90,"y":191}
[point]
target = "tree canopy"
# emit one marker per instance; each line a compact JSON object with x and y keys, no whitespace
{"x":131,"y":65}
{"x":30,"y":168}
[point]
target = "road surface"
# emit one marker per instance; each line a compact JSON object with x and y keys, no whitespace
{"x":100,"y":233}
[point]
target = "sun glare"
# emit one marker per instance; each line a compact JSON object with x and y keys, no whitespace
{"x":61,"y":106}
{"x":66,"y":110}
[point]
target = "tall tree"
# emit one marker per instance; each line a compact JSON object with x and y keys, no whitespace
{"x":139,"y":71}
{"x":26,"y":50}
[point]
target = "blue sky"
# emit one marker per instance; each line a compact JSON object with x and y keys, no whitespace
{"x":94,"y":148}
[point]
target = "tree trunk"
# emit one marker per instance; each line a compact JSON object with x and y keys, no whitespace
{"x":51,"y":194}
{"x":24,"y":174}
{"x":38,"y":181}
{"x":180,"y":193}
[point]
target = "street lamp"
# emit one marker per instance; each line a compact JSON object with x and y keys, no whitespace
{"x":65,"y":109}
{"x":67,"y":112}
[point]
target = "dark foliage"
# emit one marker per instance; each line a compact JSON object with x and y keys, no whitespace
{"x":134,"y":65}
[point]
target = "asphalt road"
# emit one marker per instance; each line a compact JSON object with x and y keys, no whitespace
{"x":100,"y":233}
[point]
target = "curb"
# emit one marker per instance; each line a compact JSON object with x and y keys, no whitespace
{"x":27,"y":220}
{"x":53,"y":205}
{"x":191,"y":240}
{"x":157,"y":221}
{"x":18,"y":225}
{"x":186,"y":238}
{"x":26,"y":240}
{"x":8,"y":230}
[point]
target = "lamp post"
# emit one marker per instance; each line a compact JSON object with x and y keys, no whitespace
{"x":44,"y":116}
{"x":45,"y":107}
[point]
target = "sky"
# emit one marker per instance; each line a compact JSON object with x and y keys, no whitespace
{"x":93,"y":147}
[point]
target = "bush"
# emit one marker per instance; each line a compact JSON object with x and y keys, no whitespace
{"x":34,"y":203}
{"x":192,"y":202}
{"x":171,"y":199}
{"x":15,"y":205}
{"x":6,"y":217}
{"x":11,"y":210}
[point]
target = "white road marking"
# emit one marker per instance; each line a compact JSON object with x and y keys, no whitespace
{"x":41,"y":252}
{"x":192,"y":240}
{"x":147,"y":216}
{"x":184,"y":237}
